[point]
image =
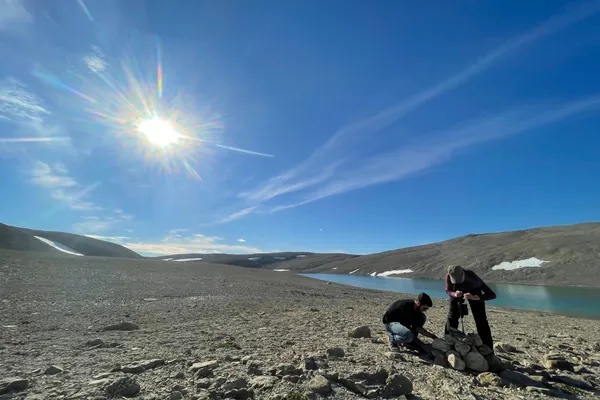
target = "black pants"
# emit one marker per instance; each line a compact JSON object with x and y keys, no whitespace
{"x":479,"y":315}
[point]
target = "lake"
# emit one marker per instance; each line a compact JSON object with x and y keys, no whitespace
{"x":572,"y":301}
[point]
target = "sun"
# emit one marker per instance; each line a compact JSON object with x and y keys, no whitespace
{"x":159,"y":132}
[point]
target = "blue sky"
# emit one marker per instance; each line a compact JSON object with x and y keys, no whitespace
{"x":300,"y":125}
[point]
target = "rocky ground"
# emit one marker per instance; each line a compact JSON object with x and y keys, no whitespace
{"x":87,"y":328}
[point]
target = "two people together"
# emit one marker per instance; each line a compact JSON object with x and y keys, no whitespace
{"x":404,"y":319}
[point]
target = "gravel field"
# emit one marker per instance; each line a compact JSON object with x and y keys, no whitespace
{"x":208,"y":331}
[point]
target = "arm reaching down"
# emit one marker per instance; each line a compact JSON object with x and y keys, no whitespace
{"x":425,"y":332}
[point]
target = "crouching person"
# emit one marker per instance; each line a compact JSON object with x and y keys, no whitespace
{"x":404,"y":320}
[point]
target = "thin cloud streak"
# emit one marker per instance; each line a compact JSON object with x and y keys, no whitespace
{"x":85,"y":10}
{"x":63,"y":187}
{"x":365,"y":128}
{"x":255,"y":153}
{"x":405,"y":162}
{"x":237,"y":215}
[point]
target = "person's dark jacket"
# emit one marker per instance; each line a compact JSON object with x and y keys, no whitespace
{"x":472,"y":284}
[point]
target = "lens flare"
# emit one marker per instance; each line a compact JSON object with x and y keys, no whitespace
{"x":159,"y":132}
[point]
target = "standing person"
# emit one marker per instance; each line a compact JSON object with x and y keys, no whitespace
{"x":463,"y":284}
{"x":404,"y":320}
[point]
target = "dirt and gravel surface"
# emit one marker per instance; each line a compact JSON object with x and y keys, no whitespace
{"x":92,"y":328}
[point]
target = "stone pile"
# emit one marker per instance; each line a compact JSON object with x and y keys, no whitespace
{"x":465,"y":352}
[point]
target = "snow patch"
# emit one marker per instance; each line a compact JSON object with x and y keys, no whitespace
{"x":301,"y":256}
{"x":188,"y":259}
{"x":396,"y":272}
{"x":512,"y":265}
{"x":281,"y":270}
{"x":253,"y":258}
{"x":373,"y":274}
{"x":351,"y":272}
{"x":334,"y":268}
{"x":59,"y":246}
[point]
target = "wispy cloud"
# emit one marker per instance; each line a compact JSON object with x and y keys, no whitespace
{"x":175,"y":243}
{"x":18,"y":104}
{"x":255,"y":153}
{"x":406,"y":161}
{"x":242,"y":240}
{"x":238,"y":214}
{"x":95,"y":61}
{"x":334,"y":168}
{"x":63,"y":187}
{"x":13,"y":15}
{"x":93,"y":225}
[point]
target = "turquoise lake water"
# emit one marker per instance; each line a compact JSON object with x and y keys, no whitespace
{"x":572,"y":301}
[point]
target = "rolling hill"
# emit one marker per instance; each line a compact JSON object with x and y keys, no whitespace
{"x":23,"y":239}
{"x":565,"y":255}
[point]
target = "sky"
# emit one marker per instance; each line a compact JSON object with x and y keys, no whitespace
{"x":324,"y":126}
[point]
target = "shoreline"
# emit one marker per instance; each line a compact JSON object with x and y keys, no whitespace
{"x":444,"y":299}
{"x":442,"y":280}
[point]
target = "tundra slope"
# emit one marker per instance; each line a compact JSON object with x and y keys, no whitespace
{"x":23,"y":239}
{"x":209,"y":331}
{"x":572,"y":255}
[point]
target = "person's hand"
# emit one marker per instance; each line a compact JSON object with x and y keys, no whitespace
{"x":458,"y":293}
{"x":470,"y":296}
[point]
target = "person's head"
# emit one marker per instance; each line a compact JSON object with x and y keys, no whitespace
{"x":456,"y":273}
{"x":423,"y":302}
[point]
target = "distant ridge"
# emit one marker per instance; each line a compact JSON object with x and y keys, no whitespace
{"x":24,"y":239}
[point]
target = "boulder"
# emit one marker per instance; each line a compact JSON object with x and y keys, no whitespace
{"x":476,"y":339}
{"x":319,"y":384}
{"x":360,"y":332}
{"x":123,"y":387}
{"x":462,"y":348}
{"x":441,"y":345}
{"x":239,"y":383}
{"x":396,"y":385}
{"x":476,"y":362}
{"x":122,"y":326}
{"x":8,"y":385}
{"x":456,"y":362}
{"x":336,"y":352}
{"x":53,"y":370}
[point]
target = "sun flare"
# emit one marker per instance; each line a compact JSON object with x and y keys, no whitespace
{"x":159,"y":132}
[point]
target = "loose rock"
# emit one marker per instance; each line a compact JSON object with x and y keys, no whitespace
{"x":456,"y":362}
{"x":476,"y":362}
{"x":489,"y":379}
{"x":142,"y":366}
{"x":336,"y":352}
{"x":320,"y":384}
{"x":360,"y":332}
{"x":441,"y":345}
{"x":397,"y":385}
{"x":122,"y":326}
{"x":53,"y":370}
{"x":125,"y":387}
{"x":462,"y":348}
{"x":13,"y":385}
